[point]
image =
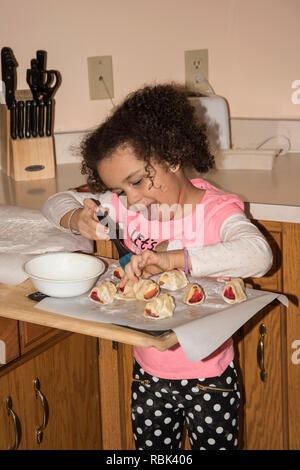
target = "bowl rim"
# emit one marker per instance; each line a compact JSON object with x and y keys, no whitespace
{"x":32,"y":276}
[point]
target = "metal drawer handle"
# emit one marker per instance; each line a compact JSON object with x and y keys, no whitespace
{"x":40,"y":429}
{"x":261,"y":352}
{"x":17,"y":424}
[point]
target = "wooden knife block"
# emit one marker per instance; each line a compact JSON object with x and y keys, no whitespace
{"x":25,"y":159}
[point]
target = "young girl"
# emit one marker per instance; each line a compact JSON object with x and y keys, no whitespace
{"x":135,"y":163}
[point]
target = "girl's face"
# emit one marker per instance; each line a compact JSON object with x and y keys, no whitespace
{"x":124,"y":174}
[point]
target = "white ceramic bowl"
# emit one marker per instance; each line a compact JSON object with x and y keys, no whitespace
{"x":64,"y":274}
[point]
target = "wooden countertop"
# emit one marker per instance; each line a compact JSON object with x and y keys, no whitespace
{"x":15,"y":304}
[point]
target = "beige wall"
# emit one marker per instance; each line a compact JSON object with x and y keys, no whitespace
{"x":254,"y":49}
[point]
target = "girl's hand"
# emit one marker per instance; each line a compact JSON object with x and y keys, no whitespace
{"x":147,"y":264}
{"x":86,"y":222}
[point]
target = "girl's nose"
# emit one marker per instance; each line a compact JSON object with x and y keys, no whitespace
{"x":133,"y":197}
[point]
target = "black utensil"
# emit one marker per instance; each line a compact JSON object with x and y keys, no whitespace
{"x":20,"y":106}
{"x":13,"y":120}
{"x":41,"y":114}
{"x":28,"y":119}
{"x":34,"y":128}
{"x":124,"y":253}
{"x":48,"y":106}
{"x":9,"y":64}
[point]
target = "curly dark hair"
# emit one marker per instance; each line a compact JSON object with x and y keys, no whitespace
{"x":157,"y":122}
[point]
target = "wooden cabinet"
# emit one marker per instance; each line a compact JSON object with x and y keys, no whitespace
{"x":269,"y":376}
{"x":115,"y":370}
{"x":9,"y":340}
{"x":88,"y":394}
{"x":69,"y":389}
{"x":270,"y":413}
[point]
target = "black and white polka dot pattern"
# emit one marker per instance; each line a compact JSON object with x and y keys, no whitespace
{"x":161,"y":407}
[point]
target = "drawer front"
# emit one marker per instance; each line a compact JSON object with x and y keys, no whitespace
{"x":32,"y":335}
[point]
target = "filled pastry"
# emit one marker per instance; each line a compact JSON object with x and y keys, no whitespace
{"x":145,"y":289}
{"x":234,"y":291}
{"x":118,"y":272}
{"x":173,"y":280}
{"x":193,"y":294}
{"x":127,"y":292}
{"x":160,"y":307}
{"x":103,"y":293}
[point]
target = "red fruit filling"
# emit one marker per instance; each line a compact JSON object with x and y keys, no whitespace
{"x":196,"y":297}
{"x":94,"y":296}
{"x":150,"y":294}
{"x":117,"y":274}
{"x":150,"y":313}
{"x":122,"y":289}
{"x":228,"y":292}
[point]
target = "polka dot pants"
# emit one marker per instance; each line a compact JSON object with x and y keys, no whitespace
{"x":208,"y":407}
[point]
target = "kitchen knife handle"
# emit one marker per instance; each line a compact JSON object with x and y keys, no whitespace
{"x":28,"y":119}
{"x":21,"y":119}
{"x":41,"y":60}
{"x":49,"y":117}
{"x":41,"y":119}
{"x":34,"y":118}
{"x":13,"y":120}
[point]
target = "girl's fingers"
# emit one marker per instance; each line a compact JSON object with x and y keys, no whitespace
{"x":91,"y":208}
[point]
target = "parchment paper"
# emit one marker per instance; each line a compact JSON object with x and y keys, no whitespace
{"x":26,"y":233}
{"x":200,"y":329}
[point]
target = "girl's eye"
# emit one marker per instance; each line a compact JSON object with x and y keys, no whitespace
{"x":136,"y":183}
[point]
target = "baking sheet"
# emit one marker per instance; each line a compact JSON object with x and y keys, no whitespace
{"x":200,"y":329}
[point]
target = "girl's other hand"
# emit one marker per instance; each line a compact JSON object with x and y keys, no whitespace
{"x":88,"y":224}
{"x":147,"y":264}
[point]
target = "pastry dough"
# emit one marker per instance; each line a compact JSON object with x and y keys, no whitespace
{"x":127,"y":292}
{"x":103,"y":293}
{"x":193,"y":294}
{"x":234,"y":291}
{"x":118,"y":272}
{"x":160,"y":307}
{"x":145,"y":289}
{"x":173,"y":280}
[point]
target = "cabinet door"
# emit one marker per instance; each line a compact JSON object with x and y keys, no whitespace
{"x":7,"y":427}
{"x":67,"y":403}
{"x":68,"y":376}
{"x":115,"y":370}
{"x":262,"y":364}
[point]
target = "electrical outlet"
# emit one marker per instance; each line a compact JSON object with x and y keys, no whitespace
{"x":196,"y":68}
{"x":100,"y":73}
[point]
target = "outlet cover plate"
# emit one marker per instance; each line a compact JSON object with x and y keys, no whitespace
{"x":196,"y":64}
{"x":100,"y":73}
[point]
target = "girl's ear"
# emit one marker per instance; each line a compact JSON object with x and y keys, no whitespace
{"x":174,"y":168}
